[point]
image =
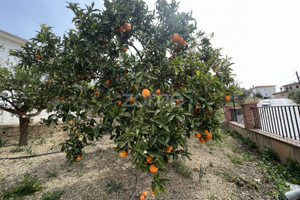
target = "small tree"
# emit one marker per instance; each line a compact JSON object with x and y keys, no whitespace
{"x":294,"y":95}
{"x":24,"y":89}
{"x":258,"y":95}
{"x":242,"y":94}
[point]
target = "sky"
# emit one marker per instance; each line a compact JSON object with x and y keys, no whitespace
{"x":261,"y":36}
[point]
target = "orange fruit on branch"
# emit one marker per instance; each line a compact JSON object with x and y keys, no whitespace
{"x":183,"y":43}
{"x":197,"y":107}
{"x":71,"y":122}
{"x":124,"y":49}
{"x":191,"y":158}
{"x":144,"y":193}
{"x":153,"y":169}
{"x":37,"y":57}
{"x":78,"y":134}
{"x":123,"y":154}
{"x":168,"y":149}
{"x":202,"y":140}
{"x":96,"y":93}
{"x":142,"y":197}
{"x":226,"y":98}
{"x":180,"y":40}
{"x":131,"y":100}
{"x":197,"y":135}
{"x":196,"y":168}
{"x":146,"y":93}
{"x":149,"y":158}
{"x":177,"y":102}
{"x":157,"y":91}
{"x":215,"y":70}
{"x":119,"y":103}
{"x":108,"y":82}
{"x":78,"y":158}
{"x":153,"y":192}
{"x":175,"y":37}
{"x":173,"y":55}
{"x":126,"y":27}
{"x":121,"y":30}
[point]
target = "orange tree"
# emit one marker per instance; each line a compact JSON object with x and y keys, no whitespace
{"x":153,"y":99}
{"x":25,"y":89}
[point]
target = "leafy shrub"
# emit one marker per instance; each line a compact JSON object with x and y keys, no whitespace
{"x":52,"y":195}
{"x":294,"y":95}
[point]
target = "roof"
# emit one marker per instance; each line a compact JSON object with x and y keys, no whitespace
{"x":280,"y":92}
{"x":263,"y":86}
{"x":12,"y":36}
{"x":295,"y":83}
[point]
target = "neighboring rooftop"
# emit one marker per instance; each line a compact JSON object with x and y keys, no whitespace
{"x":262,"y":86}
{"x":13,"y":37}
{"x":295,"y":83}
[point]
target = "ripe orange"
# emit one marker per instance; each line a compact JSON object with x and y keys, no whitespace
{"x":58,"y":98}
{"x":96,"y":93}
{"x":175,"y":37}
{"x":209,"y":134}
{"x":173,"y":55}
{"x":207,"y":138}
{"x":191,"y":158}
{"x":38,"y":57}
{"x":119,"y":103}
{"x":121,"y":30}
{"x":108,"y":82}
{"x":48,"y":81}
{"x":168,"y":149}
{"x":142,"y":197}
{"x":206,"y":131}
{"x":153,"y":169}
{"x":197,"y":107}
{"x":124,"y":49}
{"x":149,"y":158}
{"x":157,"y":91}
{"x":131,"y":100}
{"x":226,"y":98}
{"x":62,"y":98}
{"x":198,"y":135}
{"x":146,"y":93}
{"x":180,"y":40}
{"x":78,"y":134}
{"x":202,"y":140}
{"x":215,"y":70}
{"x":183,"y":43}
{"x":177,"y":102}
{"x":144,"y":193}
{"x":126,"y":26}
{"x":123,"y":154}
{"x":78,"y":158}
{"x":196,"y":168}
{"x":207,"y":108}
{"x":71,"y":122}
{"x":153,"y":192}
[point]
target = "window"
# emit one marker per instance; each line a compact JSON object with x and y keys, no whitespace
{"x":297,"y":86}
{"x":291,"y":87}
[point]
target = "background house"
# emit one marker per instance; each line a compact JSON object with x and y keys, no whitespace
{"x":266,"y":91}
{"x":9,"y":41}
{"x":285,"y":89}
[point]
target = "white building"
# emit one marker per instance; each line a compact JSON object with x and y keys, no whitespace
{"x":266,"y":91}
{"x":9,"y":41}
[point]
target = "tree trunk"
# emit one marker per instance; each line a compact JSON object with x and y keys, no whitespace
{"x":23,"y":130}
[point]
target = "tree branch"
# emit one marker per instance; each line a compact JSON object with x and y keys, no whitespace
{"x":9,"y":110}
{"x":36,"y":113}
{"x":137,"y":51}
{"x":10,"y":102}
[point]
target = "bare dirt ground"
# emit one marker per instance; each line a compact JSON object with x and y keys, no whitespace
{"x":231,"y":171}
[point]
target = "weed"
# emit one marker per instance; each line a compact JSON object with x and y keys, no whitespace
{"x":52,"y":195}
{"x":16,"y":150}
{"x":181,"y":168}
{"x":42,"y":141}
{"x":53,"y":174}
{"x":113,"y":186}
{"x":235,"y":159}
{"x":1,"y":142}
{"x":28,"y":186}
{"x":30,"y":151}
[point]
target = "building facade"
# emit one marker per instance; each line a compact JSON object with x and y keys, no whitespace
{"x":266,"y":91}
{"x":9,"y":41}
{"x":285,"y":89}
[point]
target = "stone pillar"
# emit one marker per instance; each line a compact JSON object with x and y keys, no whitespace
{"x":248,"y":114}
{"x":227,"y":113}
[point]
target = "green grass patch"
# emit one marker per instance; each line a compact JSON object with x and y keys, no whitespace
{"x":53,"y":174}
{"x":55,"y":195}
{"x":182,"y":169}
{"x":113,"y":186}
{"x":16,"y":150}
{"x":29,"y":185}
